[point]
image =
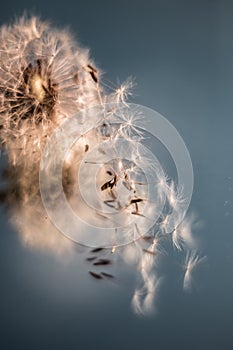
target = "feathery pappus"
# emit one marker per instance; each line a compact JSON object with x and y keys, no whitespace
{"x":44,"y":78}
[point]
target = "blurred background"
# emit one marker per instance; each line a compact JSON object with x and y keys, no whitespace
{"x":181,"y":56}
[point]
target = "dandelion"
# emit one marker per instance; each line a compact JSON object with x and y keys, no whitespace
{"x":46,"y":78}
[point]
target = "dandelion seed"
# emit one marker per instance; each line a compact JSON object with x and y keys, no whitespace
{"x":102,"y":262}
{"x":192,"y":261}
{"x":93,"y":73}
{"x":97,"y":250}
{"x":95,"y":275}
{"x":91,"y":258}
{"x":124,"y":91}
{"x":177,"y":239}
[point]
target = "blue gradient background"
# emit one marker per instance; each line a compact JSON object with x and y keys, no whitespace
{"x":181,"y":54}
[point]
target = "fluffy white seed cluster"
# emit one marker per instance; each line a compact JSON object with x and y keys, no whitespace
{"x":45,"y":77}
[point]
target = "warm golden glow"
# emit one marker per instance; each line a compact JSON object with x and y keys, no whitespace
{"x":38,"y":87}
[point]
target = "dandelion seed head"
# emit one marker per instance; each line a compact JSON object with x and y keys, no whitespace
{"x":43,"y":81}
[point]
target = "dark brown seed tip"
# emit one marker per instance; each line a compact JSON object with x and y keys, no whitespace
{"x":102,"y":262}
{"x":95,"y":275}
{"x":96,"y":250}
{"x":91,"y":258}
